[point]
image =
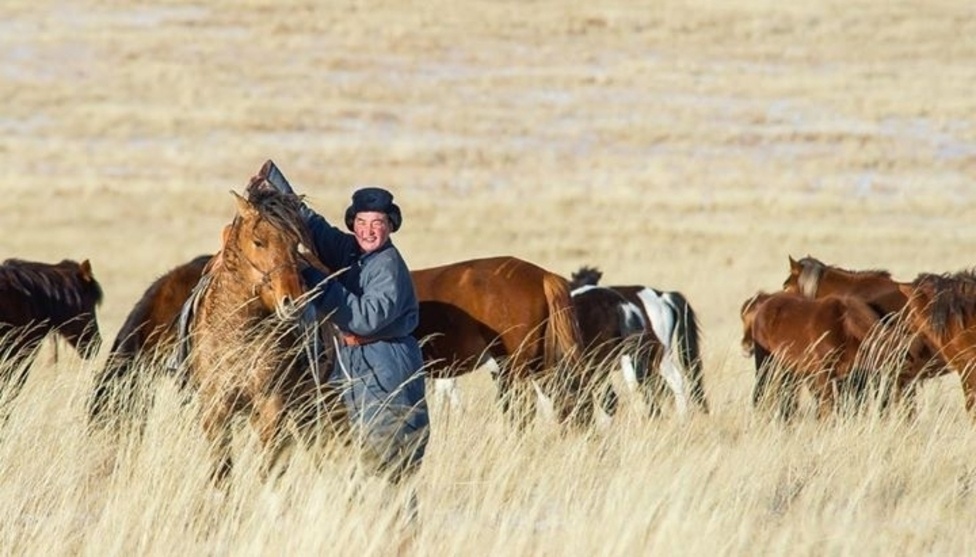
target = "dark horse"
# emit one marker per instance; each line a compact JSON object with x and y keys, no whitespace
{"x":672,"y":325}
{"x":942,"y":310}
{"x":612,"y":328}
{"x":911,"y":359}
{"x":38,"y":298}
{"x":249,"y":327}
{"x":796,"y":340}
{"x":149,"y":330}
{"x":512,"y":313}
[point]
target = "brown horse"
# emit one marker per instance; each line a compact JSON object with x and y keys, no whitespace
{"x":913,"y":360}
{"x":40,"y":298}
{"x":149,"y":330}
{"x":813,"y":341}
{"x":246,"y":345}
{"x":512,"y":313}
{"x":942,"y":310}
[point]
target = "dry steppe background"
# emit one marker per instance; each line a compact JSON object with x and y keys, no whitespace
{"x":690,"y":146}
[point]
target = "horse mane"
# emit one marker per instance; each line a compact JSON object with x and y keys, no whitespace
{"x":54,"y":289}
{"x":586,"y":276}
{"x":812,"y":271}
{"x":951,"y":294}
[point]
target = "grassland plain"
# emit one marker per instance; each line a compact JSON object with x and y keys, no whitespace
{"x":685,"y":145}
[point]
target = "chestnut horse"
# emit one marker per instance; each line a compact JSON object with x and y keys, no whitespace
{"x":40,"y":298}
{"x":795,"y":339}
{"x":942,"y":310}
{"x":509,"y":313}
{"x":914,"y":361}
{"x":148,"y":331}
{"x":245,"y":339}
{"x":671,"y":323}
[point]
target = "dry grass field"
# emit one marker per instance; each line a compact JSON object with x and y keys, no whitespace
{"x":685,"y":145}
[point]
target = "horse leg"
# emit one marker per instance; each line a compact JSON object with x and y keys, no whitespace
{"x":824,"y":389}
{"x":908,"y":398}
{"x":764,"y":373}
{"x":216,"y":427}
{"x":268,"y":419}
{"x":636,"y":373}
{"x":608,"y":398}
{"x":629,"y":372}
{"x":674,"y":379}
{"x":445,"y":388}
{"x":516,"y":403}
{"x":968,"y":378}
{"x":789,"y":390}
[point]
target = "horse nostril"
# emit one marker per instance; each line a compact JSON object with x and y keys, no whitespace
{"x":285,"y":308}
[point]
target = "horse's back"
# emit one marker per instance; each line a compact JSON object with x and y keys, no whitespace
{"x":487,"y":289}
{"x":486,"y":275}
{"x":604,"y":315}
{"x":793,"y":322}
{"x":483,"y":305}
{"x":158,"y":307}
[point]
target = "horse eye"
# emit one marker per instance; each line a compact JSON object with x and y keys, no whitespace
{"x":258,"y":243}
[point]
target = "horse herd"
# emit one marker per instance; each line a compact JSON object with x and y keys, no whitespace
{"x":860,"y":334}
{"x":541,"y":335}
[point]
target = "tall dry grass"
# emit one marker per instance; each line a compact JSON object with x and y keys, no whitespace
{"x":684,"y":145}
{"x":733,"y":482}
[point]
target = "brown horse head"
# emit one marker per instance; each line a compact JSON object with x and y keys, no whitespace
{"x":82,"y":332}
{"x":804,"y":276}
{"x":263,"y":245}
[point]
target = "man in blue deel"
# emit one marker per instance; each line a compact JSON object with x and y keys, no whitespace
{"x":373,"y":303}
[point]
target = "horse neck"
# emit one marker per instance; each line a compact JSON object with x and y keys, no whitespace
{"x":837,"y":282}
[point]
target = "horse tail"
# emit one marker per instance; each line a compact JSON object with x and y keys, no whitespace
{"x":685,"y":344}
{"x":563,"y":342}
{"x":563,"y":338}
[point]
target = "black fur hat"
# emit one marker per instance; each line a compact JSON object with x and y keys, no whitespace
{"x":374,"y":199}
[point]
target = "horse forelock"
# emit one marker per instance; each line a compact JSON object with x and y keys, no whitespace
{"x":808,"y":281}
{"x":57,"y":290}
{"x":281,"y":210}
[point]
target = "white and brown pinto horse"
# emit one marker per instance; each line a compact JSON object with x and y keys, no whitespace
{"x":668,"y":348}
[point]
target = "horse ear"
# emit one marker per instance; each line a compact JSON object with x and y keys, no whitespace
{"x":244,"y":207}
{"x":793,"y":263}
{"x":86,"y":270}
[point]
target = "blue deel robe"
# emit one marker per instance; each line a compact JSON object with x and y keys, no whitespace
{"x":382,"y":379}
